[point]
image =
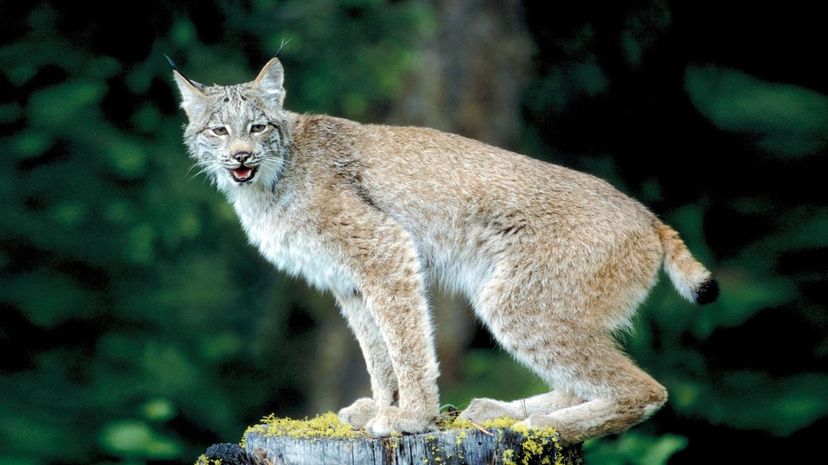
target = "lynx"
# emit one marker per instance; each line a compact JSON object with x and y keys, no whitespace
{"x":553,"y":261}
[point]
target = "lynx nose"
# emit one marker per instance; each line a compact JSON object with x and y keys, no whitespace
{"x":241,"y":157}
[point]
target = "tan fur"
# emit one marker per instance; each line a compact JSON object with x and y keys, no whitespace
{"x":685,"y":271}
{"x":552,"y":260}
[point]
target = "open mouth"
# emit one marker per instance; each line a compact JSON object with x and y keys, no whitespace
{"x":243,"y":173}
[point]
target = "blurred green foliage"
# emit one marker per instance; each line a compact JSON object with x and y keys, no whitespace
{"x":781,"y":119}
{"x":137,"y":323}
{"x":635,"y":448}
{"x":137,"y":326}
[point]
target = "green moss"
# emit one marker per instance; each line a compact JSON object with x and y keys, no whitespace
{"x":537,"y":445}
{"x":508,"y":457}
{"x":461,"y":436}
{"x":203,"y":460}
{"x":392,"y":442}
{"x":461,"y":423}
{"x":326,"y":425}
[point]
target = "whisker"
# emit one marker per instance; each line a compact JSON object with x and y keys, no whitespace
{"x":193,"y":166}
{"x":204,"y":168}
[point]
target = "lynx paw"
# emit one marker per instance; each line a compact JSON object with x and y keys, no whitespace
{"x":480,"y":410}
{"x":538,"y":421}
{"x":359,"y":413}
{"x":394,"y":420}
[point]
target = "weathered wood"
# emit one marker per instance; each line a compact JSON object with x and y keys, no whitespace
{"x":324,"y":440}
{"x":452,"y":447}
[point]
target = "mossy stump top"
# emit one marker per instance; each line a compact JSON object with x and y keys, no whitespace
{"x":323,"y":440}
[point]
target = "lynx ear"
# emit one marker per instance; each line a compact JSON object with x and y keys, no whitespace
{"x":271,"y":79}
{"x":193,"y":100}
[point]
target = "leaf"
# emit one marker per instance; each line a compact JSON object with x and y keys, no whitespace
{"x":135,"y":438}
{"x":127,"y":158}
{"x":62,"y":106}
{"x":755,"y":400}
{"x":789,"y":120}
{"x":634,"y":448}
{"x":30,"y":143}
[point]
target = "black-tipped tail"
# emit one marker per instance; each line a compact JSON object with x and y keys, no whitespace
{"x":707,"y":292}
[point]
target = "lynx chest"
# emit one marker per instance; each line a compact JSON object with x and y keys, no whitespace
{"x":286,"y":237}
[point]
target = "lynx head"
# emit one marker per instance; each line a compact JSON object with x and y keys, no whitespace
{"x":237,"y":134}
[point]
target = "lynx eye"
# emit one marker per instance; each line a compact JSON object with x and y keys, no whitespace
{"x":219,"y":131}
{"x":257,"y":128}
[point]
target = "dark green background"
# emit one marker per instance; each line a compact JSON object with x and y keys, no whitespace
{"x":137,"y":326}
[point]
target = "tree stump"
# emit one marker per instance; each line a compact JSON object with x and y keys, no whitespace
{"x":451,"y":445}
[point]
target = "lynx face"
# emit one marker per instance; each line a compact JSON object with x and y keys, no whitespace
{"x":237,"y":134}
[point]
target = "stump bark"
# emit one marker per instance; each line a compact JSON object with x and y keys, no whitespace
{"x":450,"y":447}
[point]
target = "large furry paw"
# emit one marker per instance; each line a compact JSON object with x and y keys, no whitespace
{"x":394,"y":420}
{"x":480,"y":410}
{"x":359,"y":413}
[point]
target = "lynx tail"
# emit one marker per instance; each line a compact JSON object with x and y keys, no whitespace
{"x":691,"y":279}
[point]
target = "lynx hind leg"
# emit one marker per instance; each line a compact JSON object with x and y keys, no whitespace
{"x":627,"y":397}
{"x":482,"y":409}
{"x":559,"y":342}
{"x":617,"y":393}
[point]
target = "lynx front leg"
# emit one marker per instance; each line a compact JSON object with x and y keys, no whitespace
{"x":383,"y":380}
{"x":399,"y":306}
{"x":385,"y":266}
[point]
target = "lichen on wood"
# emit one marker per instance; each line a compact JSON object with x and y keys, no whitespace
{"x":324,"y":440}
{"x":326,"y":425}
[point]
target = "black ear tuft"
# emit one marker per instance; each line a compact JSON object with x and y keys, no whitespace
{"x":281,"y":46}
{"x":707,"y":292}
{"x":176,"y":70}
{"x":172,"y":63}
